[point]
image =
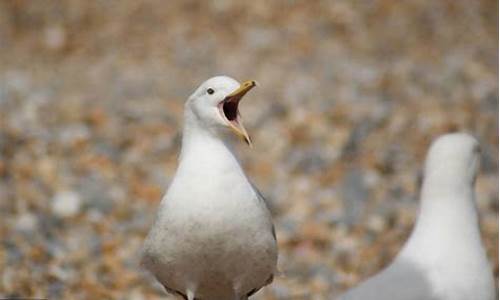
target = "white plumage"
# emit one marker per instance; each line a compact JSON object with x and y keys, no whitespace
{"x":444,"y":258}
{"x":213,"y":238}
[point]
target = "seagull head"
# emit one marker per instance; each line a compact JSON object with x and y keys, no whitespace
{"x":215,"y":104}
{"x":453,"y":159}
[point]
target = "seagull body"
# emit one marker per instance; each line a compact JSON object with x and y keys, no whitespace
{"x":444,"y":258}
{"x":213,"y":238}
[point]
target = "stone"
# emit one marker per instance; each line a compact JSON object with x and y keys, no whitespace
{"x":66,"y":204}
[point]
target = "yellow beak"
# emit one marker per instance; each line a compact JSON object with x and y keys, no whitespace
{"x":233,"y":99}
{"x":243,"y":89}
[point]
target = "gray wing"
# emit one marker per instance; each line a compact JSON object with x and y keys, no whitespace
{"x":400,"y":281}
{"x":266,"y":204}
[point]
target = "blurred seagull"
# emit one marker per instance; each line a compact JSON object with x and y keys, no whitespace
{"x":444,"y":258}
{"x":213,"y":238}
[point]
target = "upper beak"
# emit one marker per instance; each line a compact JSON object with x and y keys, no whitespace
{"x":243,"y":89}
{"x":233,"y":99}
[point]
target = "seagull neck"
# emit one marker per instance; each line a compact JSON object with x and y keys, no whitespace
{"x":446,"y":207}
{"x":202,"y":141}
{"x":445,"y":186}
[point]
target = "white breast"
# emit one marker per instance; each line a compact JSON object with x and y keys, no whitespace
{"x":212,"y":233}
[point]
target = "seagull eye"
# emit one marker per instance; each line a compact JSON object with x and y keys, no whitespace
{"x":210,"y":91}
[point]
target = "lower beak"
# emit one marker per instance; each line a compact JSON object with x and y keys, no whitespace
{"x":231,"y":113}
{"x":240,"y":130}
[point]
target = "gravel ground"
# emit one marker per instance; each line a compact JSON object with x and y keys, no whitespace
{"x":351,"y":94}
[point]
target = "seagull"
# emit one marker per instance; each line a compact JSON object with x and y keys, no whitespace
{"x":213,"y":237}
{"x":444,"y":258}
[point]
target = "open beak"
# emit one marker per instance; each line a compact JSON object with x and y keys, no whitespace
{"x":229,"y":110}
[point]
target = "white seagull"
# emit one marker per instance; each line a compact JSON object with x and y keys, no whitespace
{"x":213,"y":238}
{"x":444,"y":258}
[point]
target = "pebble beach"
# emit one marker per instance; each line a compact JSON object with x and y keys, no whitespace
{"x":350,"y":96}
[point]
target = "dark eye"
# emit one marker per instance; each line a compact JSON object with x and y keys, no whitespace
{"x":210,"y":91}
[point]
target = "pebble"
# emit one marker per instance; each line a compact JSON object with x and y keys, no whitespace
{"x":26,"y":222}
{"x":354,"y":195}
{"x":66,"y":204}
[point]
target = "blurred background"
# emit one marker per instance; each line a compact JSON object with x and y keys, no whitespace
{"x":351,"y":94}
